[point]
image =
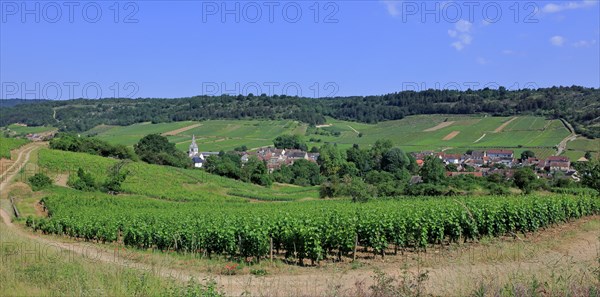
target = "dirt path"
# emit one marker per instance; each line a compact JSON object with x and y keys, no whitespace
{"x":501,"y":127}
{"x":439,"y":126}
{"x":451,"y":135}
{"x":480,"y":138}
{"x":22,"y":159}
{"x":180,"y":130}
{"x":355,"y":131}
{"x":562,"y":146}
{"x":61,"y":180}
{"x":323,"y":126}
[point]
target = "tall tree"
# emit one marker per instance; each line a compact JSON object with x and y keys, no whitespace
{"x":380,"y":147}
{"x":156,"y":149}
{"x":525,"y":179}
{"x":394,"y":160}
{"x":330,"y":160}
{"x":433,"y":170}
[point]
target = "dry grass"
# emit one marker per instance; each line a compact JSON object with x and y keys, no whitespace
{"x":439,"y":126}
{"x":451,"y":135}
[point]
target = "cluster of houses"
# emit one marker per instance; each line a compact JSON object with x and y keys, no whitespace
{"x":500,"y":161}
{"x":274,"y":158}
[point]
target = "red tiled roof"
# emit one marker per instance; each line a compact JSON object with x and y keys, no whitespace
{"x":499,"y":152}
{"x":558,"y":159}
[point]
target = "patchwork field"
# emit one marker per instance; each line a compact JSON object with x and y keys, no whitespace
{"x":414,"y":133}
{"x":456,"y":133}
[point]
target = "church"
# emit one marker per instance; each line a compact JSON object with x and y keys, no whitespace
{"x":197,"y":158}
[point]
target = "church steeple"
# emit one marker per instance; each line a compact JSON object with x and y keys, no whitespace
{"x":193,"y":151}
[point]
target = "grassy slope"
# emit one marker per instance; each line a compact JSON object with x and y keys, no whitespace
{"x":535,"y":133}
{"x":129,"y":135}
{"x":33,"y":269}
{"x":8,"y":144}
{"x":171,"y":183}
{"x":578,"y":147}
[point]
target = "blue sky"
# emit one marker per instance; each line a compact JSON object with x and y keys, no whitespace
{"x":52,"y":50}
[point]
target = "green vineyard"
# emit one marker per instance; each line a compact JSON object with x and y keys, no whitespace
{"x":311,"y":230}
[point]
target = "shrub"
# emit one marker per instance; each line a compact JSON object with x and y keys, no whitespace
{"x":39,"y":181}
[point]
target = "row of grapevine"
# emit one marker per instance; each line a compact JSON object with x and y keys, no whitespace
{"x":306,"y":230}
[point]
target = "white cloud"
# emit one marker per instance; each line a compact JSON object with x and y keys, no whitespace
{"x":463,"y":26}
{"x":392,"y":7}
{"x":457,"y":45}
{"x":584,"y":43}
{"x":481,"y":61}
{"x":462,"y":34}
{"x":557,"y":40}
{"x":553,"y":8}
{"x":508,"y":52}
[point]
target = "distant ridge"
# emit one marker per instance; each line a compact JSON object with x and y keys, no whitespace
{"x":579,"y":106}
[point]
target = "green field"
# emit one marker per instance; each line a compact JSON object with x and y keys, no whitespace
{"x":129,"y":135}
{"x":578,"y":147}
{"x":413,"y":133}
{"x":24,"y":130}
{"x":9,"y":144}
{"x":170,"y":183}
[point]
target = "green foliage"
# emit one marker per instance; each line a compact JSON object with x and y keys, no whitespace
{"x":360,"y":191}
{"x":39,"y":181}
{"x":527,"y":154}
{"x":255,"y":171}
{"x":91,"y":145}
{"x":8,"y":144}
{"x":312,"y":230}
{"x":116,"y":176}
{"x":451,"y":167}
{"x":301,"y":173}
{"x":330,"y":160}
{"x":83,"y":182}
{"x":433,"y":170}
{"x":194,"y":289}
{"x":156,"y":149}
{"x":380,"y":147}
{"x":525,"y":179}
{"x":361,"y":159}
{"x":230,"y":165}
{"x":394,"y":160}
{"x":290,"y":142}
{"x":590,"y":175}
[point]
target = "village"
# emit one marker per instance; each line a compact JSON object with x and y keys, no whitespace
{"x":477,"y":163}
